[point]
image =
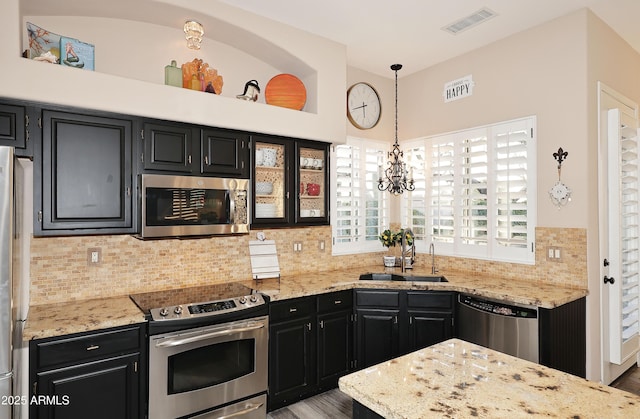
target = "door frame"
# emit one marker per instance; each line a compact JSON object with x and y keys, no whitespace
{"x":608,"y":98}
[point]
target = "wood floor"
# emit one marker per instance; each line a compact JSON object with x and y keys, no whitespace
{"x":629,"y":381}
{"x":334,"y":404}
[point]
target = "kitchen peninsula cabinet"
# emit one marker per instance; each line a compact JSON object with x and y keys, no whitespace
{"x":176,"y":148}
{"x":290,"y":182}
{"x":97,"y":374}
{"x":83,"y":174}
{"x":394,"y":322}
{"x":310,"y":345}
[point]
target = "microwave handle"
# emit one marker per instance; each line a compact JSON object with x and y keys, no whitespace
{"x":177,"y":341}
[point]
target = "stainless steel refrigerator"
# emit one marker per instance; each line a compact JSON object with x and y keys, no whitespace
{"x":6,"y":283}
{"x":16,"y":204}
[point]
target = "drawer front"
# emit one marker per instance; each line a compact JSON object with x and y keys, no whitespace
{"x":89,"y":347}
{"x":438,"y":300}
{"x":335,"y":301}
{"x":378,"y":298}
{"x":291,"y":309}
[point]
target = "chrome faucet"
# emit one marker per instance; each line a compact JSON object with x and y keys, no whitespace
{"x":432,"y":253}
{"x":410,"y":249}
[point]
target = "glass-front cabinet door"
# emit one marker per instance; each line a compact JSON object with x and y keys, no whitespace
{"x":290,"y":183}
{"x":271,"y":159}
{"x":313,"y":197}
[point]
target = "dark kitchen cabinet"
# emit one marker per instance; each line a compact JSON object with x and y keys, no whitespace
{"x":225,"y":153}
{"x":430,"y":318}
{"x":390,"y":323}
{"x":378,"y":318}
{"x":83,"y":174}
{"x":310,"y":346}
{"x":168,"y":147}
{"x":18,"y":127}
{"x":290,"y":182}
{"x":175,"y":148}
{"x":335,"y":337}
{"x":97,"y":374}
{"x":292,"y":340}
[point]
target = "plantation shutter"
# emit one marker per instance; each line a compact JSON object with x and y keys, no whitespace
{"x":511,"y":148}
{"x":361,"y":210}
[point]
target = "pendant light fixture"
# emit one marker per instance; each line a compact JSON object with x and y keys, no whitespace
{"x":193,"y":32}
{"x":397,"y":178}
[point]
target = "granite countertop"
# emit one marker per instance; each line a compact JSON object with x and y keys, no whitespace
{"x":455,"y":379}
{"x":87,"y":315}
{"x":540,"y":294}
{"x":80,"y":316}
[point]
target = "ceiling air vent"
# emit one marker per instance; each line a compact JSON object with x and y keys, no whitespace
{"x":465,"y":23}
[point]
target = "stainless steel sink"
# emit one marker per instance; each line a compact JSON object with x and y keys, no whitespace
{"x":396,"y":277}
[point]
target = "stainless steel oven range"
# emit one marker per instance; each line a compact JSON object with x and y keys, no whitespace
{"x":208,"y":349}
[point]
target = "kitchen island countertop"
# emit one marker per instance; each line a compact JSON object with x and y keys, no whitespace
{"x":456,"y":379}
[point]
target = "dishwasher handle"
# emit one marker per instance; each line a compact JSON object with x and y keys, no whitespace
{"x":498,"y":308}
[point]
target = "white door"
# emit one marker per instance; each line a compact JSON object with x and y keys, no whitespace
{"x":619,"y":233}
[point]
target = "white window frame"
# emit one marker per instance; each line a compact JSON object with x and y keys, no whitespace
{"x":359,"y":244}
{"x":492,"y":250}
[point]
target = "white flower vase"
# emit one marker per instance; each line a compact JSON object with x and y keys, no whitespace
{"x":389,"y":261}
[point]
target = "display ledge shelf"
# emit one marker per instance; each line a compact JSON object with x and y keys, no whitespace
{"x":311,"y":170}
{"x":95,"y":90}
{"x":311,"y":197}
{"x":268,"y":196}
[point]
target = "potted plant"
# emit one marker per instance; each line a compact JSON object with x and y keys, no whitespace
{"x":389,"y":239}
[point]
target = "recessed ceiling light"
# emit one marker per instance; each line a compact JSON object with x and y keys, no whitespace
{"x":473,"y":19}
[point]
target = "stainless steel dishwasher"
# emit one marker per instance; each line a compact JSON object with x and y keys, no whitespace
{"x":505,"y":327}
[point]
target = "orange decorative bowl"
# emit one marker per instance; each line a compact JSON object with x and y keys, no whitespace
{"x":287,"y":91}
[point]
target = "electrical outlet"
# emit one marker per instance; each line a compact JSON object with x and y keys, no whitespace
{"x":321,"y":245}
{"x":94,"y":256}
{"x":297,"y":247}
{"x":554,"y":254}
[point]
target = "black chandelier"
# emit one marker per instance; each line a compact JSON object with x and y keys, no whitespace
{"x":396,"y":173}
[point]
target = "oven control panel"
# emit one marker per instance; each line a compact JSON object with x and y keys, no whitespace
{"x":210,"y":308}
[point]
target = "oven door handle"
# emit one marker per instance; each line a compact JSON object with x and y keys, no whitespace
{"x":250,"y":408}
{"x":177,"y":341}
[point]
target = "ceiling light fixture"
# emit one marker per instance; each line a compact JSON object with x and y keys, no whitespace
{"x":193,"y":31}
{"x":396,"y":180}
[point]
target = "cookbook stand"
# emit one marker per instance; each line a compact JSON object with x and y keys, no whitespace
{"x":264,"y":259}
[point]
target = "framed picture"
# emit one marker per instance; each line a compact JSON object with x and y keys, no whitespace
{"x":74,"y":53}
{"x":41,"y":42}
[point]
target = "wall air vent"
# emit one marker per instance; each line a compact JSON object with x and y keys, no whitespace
{"x":465,"y":23}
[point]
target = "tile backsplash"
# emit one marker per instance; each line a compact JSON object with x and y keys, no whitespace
{"x":60,"y":270}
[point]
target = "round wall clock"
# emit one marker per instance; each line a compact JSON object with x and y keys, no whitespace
{"x":363,"y":106}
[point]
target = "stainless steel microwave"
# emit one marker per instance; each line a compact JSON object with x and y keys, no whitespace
{"x":179,"y":206}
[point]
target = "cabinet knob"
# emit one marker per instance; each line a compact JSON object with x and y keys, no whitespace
{"x":92,"y":347}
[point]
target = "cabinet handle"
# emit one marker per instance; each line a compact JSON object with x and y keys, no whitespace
{"x":395,"y":319}
{"x":206,"y":160}
{"x":309,"y":326}
{"x":293,"y":310}
{"x":189,"y":159}
{"x":128,"y":191}
{"x":411,"y":320}
{"x":321,"y":324}
{"x":336,"y":302}
{"x":92,"y":347}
